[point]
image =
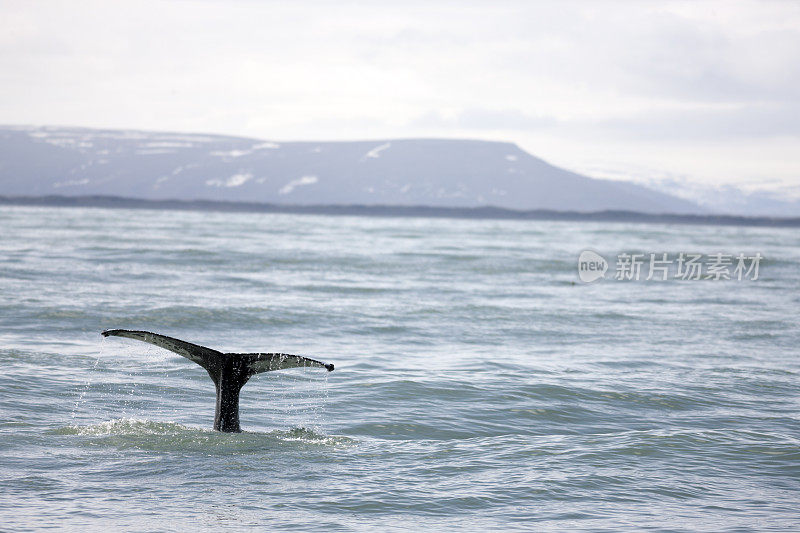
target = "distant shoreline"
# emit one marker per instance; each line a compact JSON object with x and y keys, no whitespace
{"x":488,"y":212}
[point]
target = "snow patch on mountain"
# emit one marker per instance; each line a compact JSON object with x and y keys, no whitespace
{"x":230,"y":153}
{"x":266,"y":146}
{"x":71,"y":183}
{"x":375,"y":153}
{"x":305,"y":180}
{"x":237,"y":180}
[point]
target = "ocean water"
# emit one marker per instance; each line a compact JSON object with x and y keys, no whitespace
{"x":479,"y":384}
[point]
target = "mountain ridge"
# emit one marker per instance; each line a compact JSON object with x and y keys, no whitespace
{"x":66,"y":161}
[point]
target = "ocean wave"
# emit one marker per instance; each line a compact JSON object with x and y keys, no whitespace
{"x":153,"y":435}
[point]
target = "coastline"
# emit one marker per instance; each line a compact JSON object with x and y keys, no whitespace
{"x":482,"y":212}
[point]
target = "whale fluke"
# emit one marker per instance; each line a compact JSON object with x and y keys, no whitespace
{"x":229,"y":371}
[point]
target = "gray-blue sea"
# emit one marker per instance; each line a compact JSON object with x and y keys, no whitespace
{"x":479,"y":384}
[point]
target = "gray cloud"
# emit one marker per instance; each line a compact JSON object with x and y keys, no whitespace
{"x":558,"y":71}
{"x":485,"y":119}
{"x":745,"y":121}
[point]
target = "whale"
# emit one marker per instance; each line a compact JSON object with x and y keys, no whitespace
{"x":228,"y":371}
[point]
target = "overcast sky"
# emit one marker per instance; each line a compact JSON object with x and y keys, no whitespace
{"x":704,"y":92}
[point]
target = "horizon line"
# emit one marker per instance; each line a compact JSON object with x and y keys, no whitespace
{"x":484,"y":212}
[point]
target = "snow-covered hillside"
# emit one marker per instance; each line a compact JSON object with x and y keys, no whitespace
{"x":435,"y":172}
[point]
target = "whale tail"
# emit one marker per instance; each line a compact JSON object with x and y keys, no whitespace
{"x":229,"y":371}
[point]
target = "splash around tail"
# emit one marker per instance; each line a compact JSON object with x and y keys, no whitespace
{"x":228,"y":371}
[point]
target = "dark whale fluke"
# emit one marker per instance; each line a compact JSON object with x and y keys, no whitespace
{"x":229,"y":371}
